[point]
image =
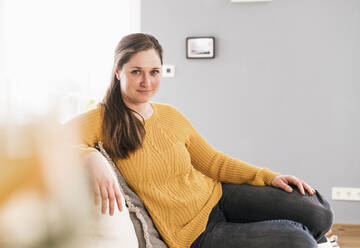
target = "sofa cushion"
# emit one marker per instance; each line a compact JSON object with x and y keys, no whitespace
{"x":110,"y":231}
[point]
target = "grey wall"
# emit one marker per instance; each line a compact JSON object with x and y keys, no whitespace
{"x":283,"y":91}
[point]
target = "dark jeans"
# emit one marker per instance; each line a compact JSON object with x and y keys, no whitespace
{"x":265,"y":217}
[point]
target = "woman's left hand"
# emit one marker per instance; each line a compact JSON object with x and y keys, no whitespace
{"x":283,"y":182}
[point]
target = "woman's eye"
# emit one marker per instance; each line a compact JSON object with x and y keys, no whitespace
{"x":135,"y":72}
{"x":154,"y":72}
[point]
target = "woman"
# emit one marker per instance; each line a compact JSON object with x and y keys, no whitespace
{"x":196,"y":196}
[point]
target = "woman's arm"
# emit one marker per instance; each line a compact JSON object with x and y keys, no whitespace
{"x":104,"y":183}
{"x":88,"y":126}
{"x":224,"y":168}
{"x":227,"y":169}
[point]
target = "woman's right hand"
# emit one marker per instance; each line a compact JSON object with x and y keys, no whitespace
{"x":104,"y":182}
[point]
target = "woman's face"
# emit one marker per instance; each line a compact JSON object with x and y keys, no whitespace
{"x":140,"y":77}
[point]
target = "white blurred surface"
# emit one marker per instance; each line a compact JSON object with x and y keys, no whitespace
{"x":46,"y":200}
{"x":59,"y":53}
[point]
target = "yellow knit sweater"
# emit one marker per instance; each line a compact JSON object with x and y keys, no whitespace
{"x":176,"y":173}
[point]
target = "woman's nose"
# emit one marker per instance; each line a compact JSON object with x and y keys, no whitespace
{"x":146,"y":81}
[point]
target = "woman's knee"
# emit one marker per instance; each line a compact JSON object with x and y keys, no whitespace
{"x":323,"y":217}
{"x":319,"y":216}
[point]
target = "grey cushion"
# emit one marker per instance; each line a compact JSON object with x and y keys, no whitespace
{"x":148,"y":236}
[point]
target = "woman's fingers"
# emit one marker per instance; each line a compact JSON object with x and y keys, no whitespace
{"x":285,"y":186}
{"x":104,"y":197}
{"x":283,"y":182}
{"x":309,"y":188}
{"x":109,"y":194}
{"x":111,"y":197}
{"x":117,"y":197}
{"x":302,"y":186}
{"x":297,"y":183}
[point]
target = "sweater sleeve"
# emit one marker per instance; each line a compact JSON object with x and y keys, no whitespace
{"x":88,"y":127}
{"x":222,"y":167}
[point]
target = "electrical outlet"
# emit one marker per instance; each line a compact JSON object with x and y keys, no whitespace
{"x":346,"y":194}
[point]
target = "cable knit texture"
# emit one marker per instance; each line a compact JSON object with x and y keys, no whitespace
{"x":176,"y":173}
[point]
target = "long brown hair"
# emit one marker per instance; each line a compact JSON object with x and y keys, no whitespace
{"x":122,"y":131}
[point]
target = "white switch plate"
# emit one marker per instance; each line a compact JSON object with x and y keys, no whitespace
{"x":168,"y":71}
{"x":346,"y":194}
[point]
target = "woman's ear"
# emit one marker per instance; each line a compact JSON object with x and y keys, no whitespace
{"x":117,"y":73}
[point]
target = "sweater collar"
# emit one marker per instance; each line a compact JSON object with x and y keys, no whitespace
{"x":153,"y":117}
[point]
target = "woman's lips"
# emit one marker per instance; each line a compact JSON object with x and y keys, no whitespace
{"x":144,"y":91}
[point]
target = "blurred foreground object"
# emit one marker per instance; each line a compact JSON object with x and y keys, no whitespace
{"x":45,"y":199}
